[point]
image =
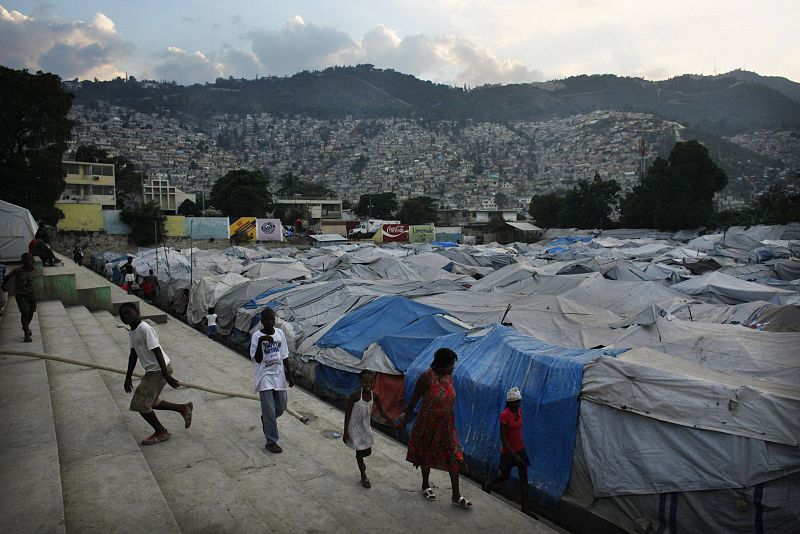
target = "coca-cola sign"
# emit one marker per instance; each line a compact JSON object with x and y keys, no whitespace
{"x":394,"y":232}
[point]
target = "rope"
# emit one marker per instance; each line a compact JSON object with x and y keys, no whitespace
{"x":303,"y":419}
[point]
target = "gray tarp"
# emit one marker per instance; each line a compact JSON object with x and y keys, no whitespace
{"x":724,"y":289}
{"x":17,"y":229}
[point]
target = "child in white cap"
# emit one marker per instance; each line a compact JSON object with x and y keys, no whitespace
{"x":512,"y":448}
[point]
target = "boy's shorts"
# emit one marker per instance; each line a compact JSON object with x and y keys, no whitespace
{"x":148,"y":390}
{"x":507,"y":461}
{"x":212,"y":330}
{"x":26,"y":303}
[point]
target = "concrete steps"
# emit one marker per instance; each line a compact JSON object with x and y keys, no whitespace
{"x":30,"y":478}
{"x":106,"y":482}
{"x":200,"y":493}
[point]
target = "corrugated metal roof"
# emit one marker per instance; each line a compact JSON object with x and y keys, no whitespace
{"x":328,"y":237}
{"x":524,"y":226}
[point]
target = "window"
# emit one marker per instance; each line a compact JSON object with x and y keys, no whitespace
{"x":72,"y":168}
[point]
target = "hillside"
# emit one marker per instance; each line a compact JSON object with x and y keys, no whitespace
{"x":723,"y":105}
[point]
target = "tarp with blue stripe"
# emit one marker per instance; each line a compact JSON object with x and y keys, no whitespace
{"x":550,"y":378}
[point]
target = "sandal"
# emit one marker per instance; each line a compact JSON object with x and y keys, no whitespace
{"x":366,"y":483}
{"x":462,"y":503}
{"x":187,"y":417}
{"x":156,"y":438}
{"x":428,"y":494}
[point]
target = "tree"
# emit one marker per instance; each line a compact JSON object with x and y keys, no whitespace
{"x":677,"y":193}
{"x":146,"y":222}
{"x":291,"y":185}
{"x":129,"y":181}
{"x":242,"y":193}
{"x":589,"y":204}
{"x":34,"y":130}
{"x":501,"y":199}
{"x":418,"y":210}
{"x":92,"y":154}
{"x":377,"y":205}
{"x":544,"y":209}
{"x":188,"y":209}
{"x":777,"y":206}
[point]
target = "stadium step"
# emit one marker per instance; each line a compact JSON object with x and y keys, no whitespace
{"x":30,"y":478}
{"x":201,"y":495}
{"x":106,"y":483}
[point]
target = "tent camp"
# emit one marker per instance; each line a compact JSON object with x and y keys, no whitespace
{"x":17,"y":228}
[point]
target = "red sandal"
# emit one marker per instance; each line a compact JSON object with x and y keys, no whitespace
{"x":157,"y":438}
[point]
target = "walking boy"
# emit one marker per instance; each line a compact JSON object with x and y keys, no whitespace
{"x":270,"y":354}
{"x":512,"y":449}
{"x":211,"y":324}
{"x":24,"y":292}
{"x":146,"y":348}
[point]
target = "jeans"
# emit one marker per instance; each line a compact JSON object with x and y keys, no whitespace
{"x":273,"y":404}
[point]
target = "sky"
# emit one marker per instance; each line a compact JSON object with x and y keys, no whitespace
{"x":458,"y":42}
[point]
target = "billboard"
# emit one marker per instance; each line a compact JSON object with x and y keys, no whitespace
{"x":207,"y":227}
{"x":244,"y":229}
{"x":394,"y":233}
{"x":269,"y":230}
{"x":422,"y":233}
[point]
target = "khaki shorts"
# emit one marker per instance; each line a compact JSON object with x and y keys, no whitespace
{"x":148,"y":390}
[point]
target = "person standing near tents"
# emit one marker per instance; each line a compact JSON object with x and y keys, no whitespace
{"x":512,"y":448}
{"x":25,"y":294}
{"x":129,"y":275}
{"x":434,"y":442}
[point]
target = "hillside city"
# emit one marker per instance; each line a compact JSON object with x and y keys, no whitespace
{"x":460,"y":163}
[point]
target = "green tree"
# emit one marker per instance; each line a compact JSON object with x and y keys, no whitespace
{"x":589,"y":204}
{"x":146,"y":222}
{"x":777,"y":206}
{"x":291,"y":185}
{"x":188,"y":209}
{"x":377,"y":205}
{"x":677,"y":193}
{"x":92,"y":154}
{"x":242,"y":193}
{"x":34,"y":130}
{"x":501,"y":199}
{"x":418,"y":210}
{"x":544,"y":209}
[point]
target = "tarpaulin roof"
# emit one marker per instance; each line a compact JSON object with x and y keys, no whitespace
{"x":550,"y":378}
{"x":17,"y":228}
{"x":724,"y":289}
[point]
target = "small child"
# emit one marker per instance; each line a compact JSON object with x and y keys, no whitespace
{"x":25,"y":293}
{"x":512,"y":449}
{"x":357,"y":430}
{"x":146,"y":348}
{"x":211,"y":323}
{"x":270,"y":355}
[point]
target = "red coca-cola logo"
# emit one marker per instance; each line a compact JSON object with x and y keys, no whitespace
{"x":395,"y":229}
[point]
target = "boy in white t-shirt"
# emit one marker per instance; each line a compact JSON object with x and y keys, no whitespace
{"x":270,"y":355}
{"x":211,"y":323}
{"x":146,"y":348}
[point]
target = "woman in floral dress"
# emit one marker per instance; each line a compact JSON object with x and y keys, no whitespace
{"x":434,"y":442}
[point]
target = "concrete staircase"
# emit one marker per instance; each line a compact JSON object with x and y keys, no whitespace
{"x":72,"y":461}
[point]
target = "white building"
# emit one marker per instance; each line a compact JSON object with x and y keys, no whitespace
{"x":167,"y":196}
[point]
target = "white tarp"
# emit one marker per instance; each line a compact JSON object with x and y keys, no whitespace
{"x":206,"y":291}
{"x":723,"y":289}
{"x":17,"y":229}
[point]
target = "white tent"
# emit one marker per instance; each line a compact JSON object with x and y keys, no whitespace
{"x":17,"y":228}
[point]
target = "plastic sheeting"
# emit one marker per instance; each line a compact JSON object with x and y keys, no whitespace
{"x":550,"y":378}
{"x":17,"y":229}
{"x":205,"y":292}
{"x":724,"y":289}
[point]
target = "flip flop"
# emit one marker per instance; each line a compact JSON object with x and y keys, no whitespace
{"x":428,"y":494}
{"x":462,"y":503}
{"x":187,"y":417}
{"x":366,"y":483}
{"x":156,"y":438}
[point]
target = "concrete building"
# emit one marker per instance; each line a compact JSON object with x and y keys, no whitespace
{"x":169,"y":197}
{"x":318,"y":208}
{"x":89,"y":183}
{"x":471,"y":216}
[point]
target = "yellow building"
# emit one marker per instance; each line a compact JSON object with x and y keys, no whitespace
{"x":89,"y":183}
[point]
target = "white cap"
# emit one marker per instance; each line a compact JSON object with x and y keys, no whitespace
{"x":513,"y":394}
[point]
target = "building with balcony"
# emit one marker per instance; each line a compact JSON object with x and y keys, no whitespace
{"x":317,"y":208}
{"x":89,"y":183}
{"x":167,"y":196}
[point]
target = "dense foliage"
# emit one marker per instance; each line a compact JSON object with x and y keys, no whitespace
{"x":34,"y":130}
{"x":189,"y":209}
{"x":146,"y":222}
{"x":587,"y":205}
{"x":376,"y":205}
{"x":242,"y":193}
{"x":418,"y":210}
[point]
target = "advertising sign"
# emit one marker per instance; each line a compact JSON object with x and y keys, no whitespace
{"x":269,"y":230}
{"x":394,"y":233}
{"x":422,"y":233}
{"x":244,"y":229}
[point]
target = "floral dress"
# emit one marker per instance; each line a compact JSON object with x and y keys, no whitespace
{"x":434,"y":442}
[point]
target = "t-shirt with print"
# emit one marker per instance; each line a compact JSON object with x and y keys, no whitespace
{"x":514,"y":424}
{"x":143,"y":340}
{"x":23,"y":280}
{"x":269,"y":374}
{"x":211,"y":319}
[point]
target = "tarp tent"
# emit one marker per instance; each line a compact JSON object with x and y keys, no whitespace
{"x":17,"y":229}
{"x":724,"y":289}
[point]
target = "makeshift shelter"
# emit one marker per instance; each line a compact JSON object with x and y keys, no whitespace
{"x":518,"y":231}
{"x":17,"y":229}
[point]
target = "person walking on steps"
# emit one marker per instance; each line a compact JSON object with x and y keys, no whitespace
{"x":512,"y":448}
{"x":269,"y":352}
{"x":24,"y":291}
{"x":434,"y":442}
{"x":357,"y":430}
{"x":146,"y":348}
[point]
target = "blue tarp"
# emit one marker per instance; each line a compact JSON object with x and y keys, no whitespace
{"x":382,"y":317}
{"x":550,"y":378}
{"x":340,"y":382}
{"x":403,"y":347}
{"x":571,"y":239}
{"x":444,"y":244}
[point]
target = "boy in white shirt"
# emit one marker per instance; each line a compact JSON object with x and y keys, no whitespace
{"x":269,"y":352}
{"x":146,"y":348}
{"x":211,"y":323}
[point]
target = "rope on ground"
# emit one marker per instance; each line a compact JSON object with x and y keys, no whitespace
{"x":303,"y":419}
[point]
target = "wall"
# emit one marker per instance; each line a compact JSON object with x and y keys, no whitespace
{"x":85,"y":217}
{"x":175,"y":226}
{"x":112,"y":223}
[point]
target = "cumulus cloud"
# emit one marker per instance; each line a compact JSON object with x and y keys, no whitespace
{"x":182,"y":66}
{"x":69,"y":48}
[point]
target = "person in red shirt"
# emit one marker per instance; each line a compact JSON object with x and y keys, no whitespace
{"x":512,"y":448}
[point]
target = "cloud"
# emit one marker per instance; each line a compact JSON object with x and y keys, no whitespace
{"x":68,"y":48}
{"x":179,"y":65}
